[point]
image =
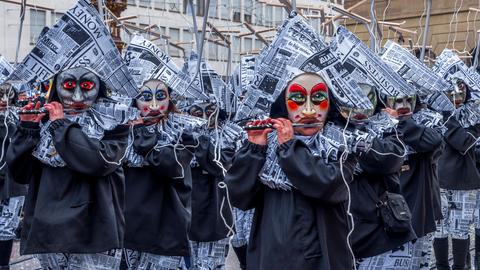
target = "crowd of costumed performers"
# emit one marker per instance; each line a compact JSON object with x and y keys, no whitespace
{"x":314,"y":154}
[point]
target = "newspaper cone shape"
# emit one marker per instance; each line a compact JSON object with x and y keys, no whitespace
{"x":211,"y":83}
{"x":78,"y":39}
{"x":244,"y":74}
{"x":146,"y":61}
{"x":449,"y":66}
{"x":5,"y":69}
{"x":430,"y":85}
{"x":297,"y":45}
{"x":366,"y":66}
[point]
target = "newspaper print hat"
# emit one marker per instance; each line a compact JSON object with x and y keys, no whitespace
{"x":78,"y":39}
{"x":146,"y":61}
{"x":5,"y":69}
{"x":365,"y":65}
{"x":449,"y":66}
{"x":211,"y":84}
{"x":431,"y":87}
{"x":297,"y":45}
{"x":243,"y":76}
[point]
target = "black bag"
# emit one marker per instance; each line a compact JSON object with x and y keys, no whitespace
{"x":393,"y":211}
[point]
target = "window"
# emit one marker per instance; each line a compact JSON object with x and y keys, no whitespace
{"x":212,"y":12}
{"x":247,"y":44}
{"x":188,"y":37}
{"x":131,"y":3}
{"x":268,"y":15}
{"x":144,"y":3}
{"x":160,"y":4}
{"x":248,"y":10}
{"x":235,"y":49}
{"x":174,"y":38}
{"x":212,"y":51}
{"x":237,"y":14}
{"x":278,"y":17}
{"x":56,"y":16}
{"x":258,"y":44}
{"x":258,"y":14}
{"x":225,"y":9}
{"x":38,"y":20}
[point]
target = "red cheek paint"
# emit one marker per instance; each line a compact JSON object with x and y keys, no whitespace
{"x":292,"y":105}
{"x":162,"y":108}
{"x":323,"y":105}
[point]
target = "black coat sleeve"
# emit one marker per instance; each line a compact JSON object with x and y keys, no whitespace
{"x":205,"y":155}
{"x":88,"y":155}
{"x":169,"y":161}
{"x":244,"y":188}
{"x":311,"y":175}
{"x":420,"y":138}
{"x":21,"y":165}
{"x":384,"y":157}
{"x":458,"y":137}
{"x":143,"y":140}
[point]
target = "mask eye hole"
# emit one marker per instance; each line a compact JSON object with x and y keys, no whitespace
{"x":196,"y":111}
{"x":146,"y":96}
{"x":69,"y":85}
{"x":160,"y":95}
{"x":87,"y":85}
{"x":318,"y":97}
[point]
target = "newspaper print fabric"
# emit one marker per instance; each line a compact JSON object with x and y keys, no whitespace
{"x":10,"y":215}
{"x":298,"y":48}
{"x":458,"y":207}
{"x":5,"y":69}
{"x":365,"y":65}
{"x":243,"y":226}
{"x":422,"y":252}
{"x":136,"y":260}
{"x":146,"y":61}
{"x":45,"y":150}
{"x":430,"y":85}
{"x":169,"y":133}
{"x":468,"y":114}
{"x":329,"y":144}
{"x":448,"y":66}
{"x":109,"y":260}
{"x":211,"y":83}
{"x":243,"y":76}
{"x":78,"y":39}
{"x":397,"y":259}
{"x":209,"y":255}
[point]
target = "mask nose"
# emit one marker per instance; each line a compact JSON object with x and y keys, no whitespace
{"x":77,"y":95}
{"x":154,"y":106}
{"x":308,"y":110}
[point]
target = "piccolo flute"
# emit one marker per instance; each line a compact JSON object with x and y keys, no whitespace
{"x":150,"y":118}
{"x":296,"y":125}
{"x":46,"y":111}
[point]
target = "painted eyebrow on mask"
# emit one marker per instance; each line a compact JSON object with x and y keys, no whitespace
{"x":319,"y":87}
{"x":297,"y":88}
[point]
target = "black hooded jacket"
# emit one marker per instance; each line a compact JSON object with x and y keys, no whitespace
{"x":303,"y":228}
{"x":158,"y":201}
{"x":379,"y":172}
{"x":77,"y":208}
{"x":207,"y":222}
{"x":458,"y":163}
{"x":8,"y":187}
{"x":419,"y":174}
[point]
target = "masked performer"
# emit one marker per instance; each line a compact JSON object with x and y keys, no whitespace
{"x":376,"y":245}
{"x":73,"y":213}
{"x":419,"y":171}
{"x":11,"y":193}
{"x":158,"y":184}
{"x":304,"y":226}
{"x":459,"y":180}
{"x":211,"y":214}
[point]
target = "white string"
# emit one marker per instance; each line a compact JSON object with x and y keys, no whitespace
{"x":343,"y":158}
{"x":420,"y":20}
{"x":119,"y":162}
{"x":456,"y":24}
{"x":450,"y":25}
{"x":383,"y":19}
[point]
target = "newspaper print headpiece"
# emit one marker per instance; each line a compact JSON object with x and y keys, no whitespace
{"x":211,"y":84}
{"x":449,"y":66}
{"x":5,"y":69}
{"x":297,"y":45}
{"x":146,"y":61}
{"x":243,"y":76}
{"x":431,"y":87}
{"x":364,"y":65}
{"x":78,"y":39}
